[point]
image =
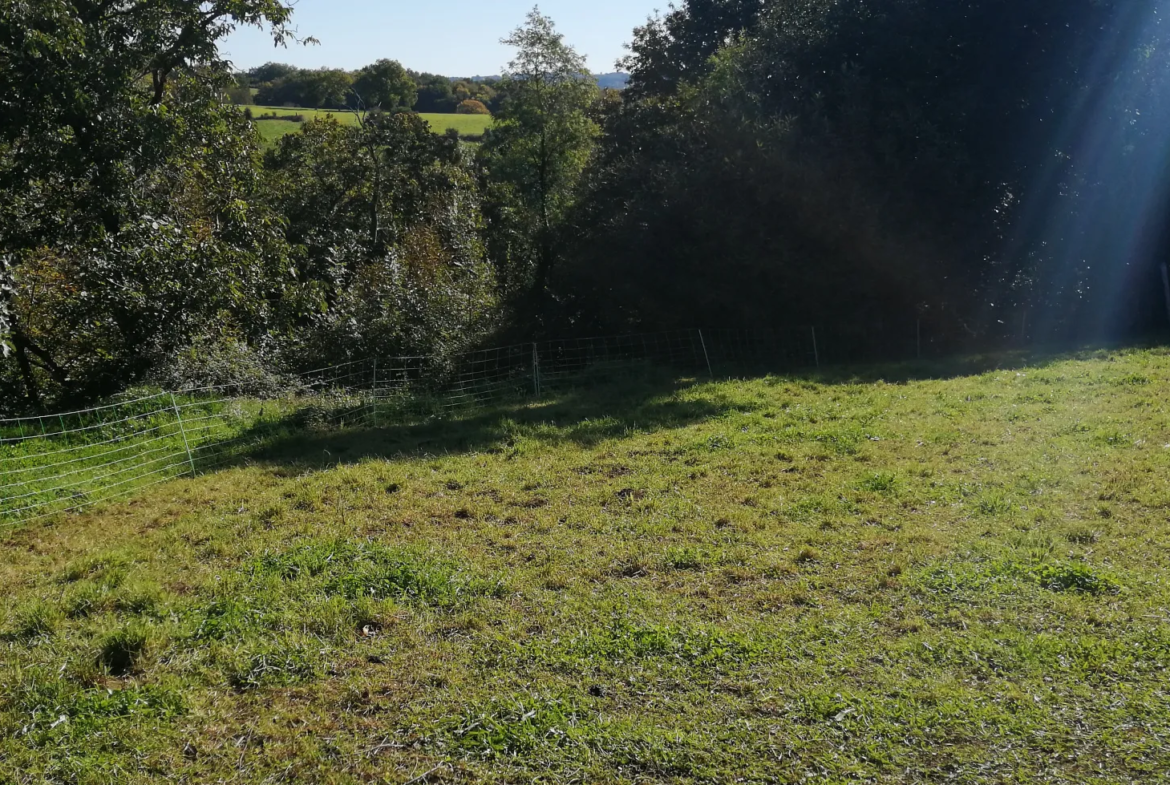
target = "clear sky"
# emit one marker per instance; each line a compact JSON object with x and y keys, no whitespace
{"x":449,"y":37}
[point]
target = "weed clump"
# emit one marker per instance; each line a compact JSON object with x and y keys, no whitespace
{"x":808,"y":555}
{"x":879,"y":482}
{"x":516,"y":726}
{"x":1075,"y":577}
{"x":684,"y":559}
{"x":38,"y":619}
{"x":363,"y":570}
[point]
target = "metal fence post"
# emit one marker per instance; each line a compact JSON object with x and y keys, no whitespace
{"x":183,"y":431}
{"x":707,"y":357}
{"x":374,"y":394}
{"x":535,"y":371}
{"x":816,"y":351}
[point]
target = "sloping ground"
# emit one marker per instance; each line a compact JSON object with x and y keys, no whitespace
{"x":783,"y":579}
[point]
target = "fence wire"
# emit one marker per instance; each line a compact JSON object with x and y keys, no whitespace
{"x":52,"y":464}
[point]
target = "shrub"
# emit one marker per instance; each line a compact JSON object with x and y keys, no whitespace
{"x":213,"y":361}
{"x":471,"y":106}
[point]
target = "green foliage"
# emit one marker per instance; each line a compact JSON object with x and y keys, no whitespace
{"x":275,"y":666}
{"x":472,"y":107}
{"x":509,"y":728}
{"x":812,"y":162}
{"x":385,"y":85}
{"x":1075,"y":577}
{"x":125,"y":184}
{"x":357,"y":571}
{"x":240,"y":95}
{"x":37,"y":619}
{"x":325,"y":87}
{"x":221,"y":361}
{"x":384,"y":226}
{"x":536,"y":153}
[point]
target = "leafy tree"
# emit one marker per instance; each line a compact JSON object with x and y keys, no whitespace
{"x":676,"y":48}
{"x":472,"y":107}
{"x":268,"y":73}
{"x":86,"y":120}
{"x":384,"y":223}
{"x":855,"y":163}
{"x":201,"y":256}
{"x":327,"y":88}
{"x":385,"y":84}
{"x":240,"y":95}
{"x":536,"y":152}
{"x":435,"y":94}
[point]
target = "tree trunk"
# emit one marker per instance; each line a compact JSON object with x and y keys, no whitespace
{"x":31,"y":391}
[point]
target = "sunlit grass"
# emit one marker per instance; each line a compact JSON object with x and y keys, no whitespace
{"x":832,"y":578}
{"x":271,"y":130}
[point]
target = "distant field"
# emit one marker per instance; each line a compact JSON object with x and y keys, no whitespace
{"x":271,"y":130}
{"x":897,"y":575}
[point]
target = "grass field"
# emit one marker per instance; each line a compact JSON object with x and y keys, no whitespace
{"x":271,"y":130}
{"x":871,"y":577}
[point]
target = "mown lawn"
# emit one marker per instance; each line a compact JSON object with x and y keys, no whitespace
{"x":271,"y":130}
{"x":832,"y":579}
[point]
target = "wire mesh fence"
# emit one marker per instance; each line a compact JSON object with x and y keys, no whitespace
{"x":67,"y":461}
{"x":50,"y":464}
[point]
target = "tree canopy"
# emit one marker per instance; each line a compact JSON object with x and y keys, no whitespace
{"x":974,"y":166}
{"x":386,"y":85}
{"x":537,"y":151}
{"x":92,"y":121}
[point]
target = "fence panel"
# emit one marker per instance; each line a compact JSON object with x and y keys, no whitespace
{"x":58,"y":463}
{"x":66,"y":462}
{"x":753,"y":351}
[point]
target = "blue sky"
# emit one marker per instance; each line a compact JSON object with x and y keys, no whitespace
{"x":452,"y":37}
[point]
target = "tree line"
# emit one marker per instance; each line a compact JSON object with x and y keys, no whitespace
{"x":976,"y":166}
{"x":384,"y":84}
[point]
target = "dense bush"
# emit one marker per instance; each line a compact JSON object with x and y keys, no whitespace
{"x":384,"y":231}
{"x":471,"y":107}
{"x":236,"y":366}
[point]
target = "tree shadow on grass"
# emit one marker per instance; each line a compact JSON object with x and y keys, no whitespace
{"x":582,"y":417}
{"x":964,"y":365}
{"x":586,"y":416}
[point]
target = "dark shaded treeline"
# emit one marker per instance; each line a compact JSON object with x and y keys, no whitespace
{"x":987,"y":171}
{"x":980,"y":165}
{"x":384,"y":84}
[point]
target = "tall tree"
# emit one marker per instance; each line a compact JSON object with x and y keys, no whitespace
{"x":269,"y":72}
{"x":385,"y":228}
{"x":536,"y":152}
{"x":327,"y":88}
{"x":386,"y":85}
{"x":676,"y":48}
{"x":847,"y":161}
{"x":83,"y":119}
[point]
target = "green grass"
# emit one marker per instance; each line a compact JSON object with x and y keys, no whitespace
{"x":835,"y":578}
{"x":54,"y":463}
{"x":271,"y":130}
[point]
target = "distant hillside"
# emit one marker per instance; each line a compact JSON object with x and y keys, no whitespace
{"x":616,"y":81}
